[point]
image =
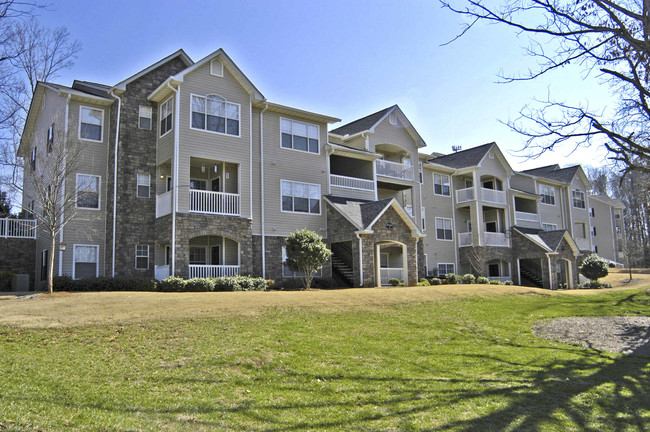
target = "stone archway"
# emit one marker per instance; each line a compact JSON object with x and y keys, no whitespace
{"x":396,"y":266}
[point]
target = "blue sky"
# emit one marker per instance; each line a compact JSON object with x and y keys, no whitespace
{"x":342,"y":58}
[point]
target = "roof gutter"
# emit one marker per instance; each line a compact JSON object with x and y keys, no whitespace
{"x":266,"y":106}
{"x":117,"y":140}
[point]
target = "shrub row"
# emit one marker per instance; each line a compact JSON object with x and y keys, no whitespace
{"x":453,"y":279}
{"x":594,"y":285}
{"x":5,"y":280}
{"x":169,"y":284}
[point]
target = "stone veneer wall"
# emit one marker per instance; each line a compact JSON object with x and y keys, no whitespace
{"x":136,"y":217}
{"x":17,"y":256}
{"x":339,"y":229}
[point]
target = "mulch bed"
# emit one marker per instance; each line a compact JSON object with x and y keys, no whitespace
{"x":618,"y":334}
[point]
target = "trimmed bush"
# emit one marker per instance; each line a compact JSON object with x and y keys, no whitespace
{"x":240,"y":283}
{"x":496,"y":282}
{"x":5,"y":280}
{"x":66,"y":283}
{"x":424,"y":282}
{"x":594,"y":267}
{"x":435,"y":281}
{"x":63,"y":283}
{"x":482,"y":280}
{"x":394,"y":281}
{"x":451,"y":278}
{"x":508,"y":282}
{"x":172,"y":284}
{"x":199,"y":284}
{"x":468,"y":278}
{"x":594,"y":285}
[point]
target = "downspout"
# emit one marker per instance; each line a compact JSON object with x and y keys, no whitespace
{"x":591,"y":239}
{"x":550,"y":272}
{"x":250,"y":158}
{"x":266,"y":106}
{"x":175,"y":123}
{"x":360,"y":258}
{"x":117,"y":137}
{"x":65,"y":141}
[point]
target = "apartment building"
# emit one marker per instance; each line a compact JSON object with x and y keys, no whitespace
{"x":186,"y":168}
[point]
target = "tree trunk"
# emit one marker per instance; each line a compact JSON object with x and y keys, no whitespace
{"x":50,"y":266}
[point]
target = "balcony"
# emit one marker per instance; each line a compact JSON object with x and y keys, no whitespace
{"x":163,"y":204}
{"x":17,"y":228}
{"x":464,"y":239}
{"x":204,"y":271}
{"x":487,"y":195}
{"x":220,"y":203}
{"x":387,"y":274}
{"x":489,"y":239}
{"x":351,"y":182}
{"x":465,"y":195}
{"x":521,"y":216}
{"x":394,"y":170}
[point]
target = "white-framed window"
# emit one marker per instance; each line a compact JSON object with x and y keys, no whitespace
{"x":214,"y":114}
{"x":593,"y":231}
{"x":45,"y":257}
{"x":287,"y":272}
{"x":300,"y":197}
{"x":143,"y":185}
{"x":580,"y":230}
{"x":91,"y":123}
{"x":595,"y":249}
{"x":142,"y":257}
{"x":145,"y":114}
{"x":50,"y":138}
{"x":32,"y":159}
{"x":216,"y":67}
{"x":592,"y":212}
{"x":424,"y":219}
{"x":441,"y":184}
{"x":86,"y":261}
{"x":300,"y":136}
{"x":445,"y":268}
{"x":166,"y":116}
{"x":198,"y":255}
{"x":443,"y":229}
{"x":549,"y":227}
{"x":392,"y":119}
{"x":578,"y":198}
{"x":88,"y":191}
{"x":617,"y":215}
{"x":548,"y":194}
{"x":198,"y":184}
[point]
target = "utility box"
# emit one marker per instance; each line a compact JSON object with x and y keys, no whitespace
{"x":20,"y":282}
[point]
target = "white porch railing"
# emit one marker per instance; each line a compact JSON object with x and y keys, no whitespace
{"x":394,"y":169}
{"x":526,"y":217}
{"x":464,"y":239}
{"x":214,"y":202}
{"x":17,"y":228}
{"x":464,"y":195}
{"x":351,"y":182}
{"x":388,"y":273}
{"x":495,"y":239}
{"x":163,"y":204}
{"x":493,"y":196}
{"x":161,"y":271}
{"x":203,"y":271}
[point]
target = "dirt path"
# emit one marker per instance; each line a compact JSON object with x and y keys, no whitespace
{"x":75,"y":309}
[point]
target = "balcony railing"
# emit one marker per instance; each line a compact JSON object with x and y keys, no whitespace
{"x":163,"y":204}
{"x":394,"y":169}
{"x":388,"y":273}
{"x":351,"y":182}
{"x":203,"y":271}
{"x":493,"y":196}
{"x":464,"y":195}
{"x":464,"y":239}
{"x":495,"y":239}
{"x":17,"y":228}
{"x":221,"y":203}
{"x":526,"y":217}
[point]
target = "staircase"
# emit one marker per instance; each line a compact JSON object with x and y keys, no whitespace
{"x":531,"y":273}
{"x":342,"y":264}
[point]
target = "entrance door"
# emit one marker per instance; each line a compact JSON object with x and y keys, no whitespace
{"x":215,"y":254}
{"x":216,"y":184}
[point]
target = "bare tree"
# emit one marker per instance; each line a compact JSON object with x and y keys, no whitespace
{"x":608,"y":37}
{"x":478,"y":256}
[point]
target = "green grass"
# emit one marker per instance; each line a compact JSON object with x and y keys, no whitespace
{"x":466,"y":365}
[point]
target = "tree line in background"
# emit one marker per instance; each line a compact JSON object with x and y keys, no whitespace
{"x":633,"y":189}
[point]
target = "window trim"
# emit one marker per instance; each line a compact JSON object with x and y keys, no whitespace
{"x":141,"y":116}
{"x":99,"y":192}
{"x":423,"y":215}
{"x":211,"y":131}
{"x":320,"y":199}
{"x":307,"y":124}
{"x":44,"y":263}
{"x":141,"y":256}
{"x":541,"y":201}
{"x":451,"y":229}
{"x":550,"y":225}
{"x":453,"y":266}
{"x":50,"y":138}
{"x":573,"y":199}
{"x":137,"y":185}
{"x":212,"y":69}
{"x":205,"y":252}
{"x":101,"y":133}
{"x":160,"y":112}
{"x":441,"y":184}
{"x":74,"y":256}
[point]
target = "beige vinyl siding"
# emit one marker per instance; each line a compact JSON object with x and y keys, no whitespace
{"x":357,"y":143}
{"x":551,"y":214}
{"x":211,"y":145}
{"x":578,"y":214}
{"x":605,"y":231}
{"x":437,"y":206}
{"x":89,"y":225}
{"x":352,"y":193}
{"x":165,"y":146}
{"x":257,"y":180}
{"x":299,"y":166}
{"x":523,"y":183}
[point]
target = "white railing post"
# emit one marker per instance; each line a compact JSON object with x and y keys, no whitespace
{"x":394,"y":169}
{"x":351,"y":182}
{"x":17,"y":228}
{"x":222,"y":203}
{"x":203,"y":271}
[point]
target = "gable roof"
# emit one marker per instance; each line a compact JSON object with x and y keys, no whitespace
{"x":93,"y":88}
{"x":555,"y":173}
{"x":549,"y":240}
{"x":464,"y":158}
{"x":180,"y":53}
{"x":362,"y":124}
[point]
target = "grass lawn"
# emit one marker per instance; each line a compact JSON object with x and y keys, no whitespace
{"x":464,"y":363}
